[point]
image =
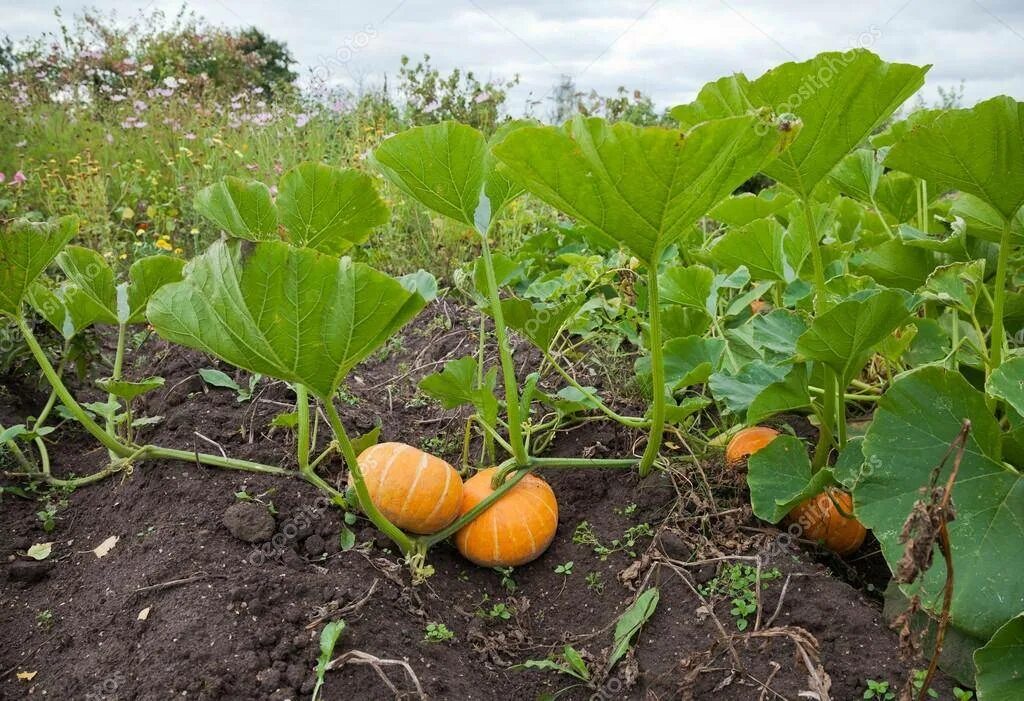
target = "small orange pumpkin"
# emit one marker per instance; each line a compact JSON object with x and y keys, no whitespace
{"x":416,"y":491}
{"x":515,"y":529}
{"x":820,"y":520}
{"x":746,"y":443}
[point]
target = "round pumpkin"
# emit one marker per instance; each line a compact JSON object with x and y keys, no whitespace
{"x":515,"y":529}
{"x":746,"y":443}
{"x":820,"y":520}
{"x":416,"y":491}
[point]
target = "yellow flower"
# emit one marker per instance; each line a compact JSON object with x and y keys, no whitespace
{"x":164,"y":245}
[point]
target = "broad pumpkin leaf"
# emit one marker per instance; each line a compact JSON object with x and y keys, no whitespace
{"x":780,"y":477}
{"x":53,"y":307}
{"x":744,"y":208}
{"x":461,"y":382}
{"x":914,"y":425}
{"x":688,"y":361}
{"x":145,"y":277}
{"x":128,"y":389}
{"x":327,"y":208}
{"x":1000,"y":664}
{"x":844,"y":336}
{"x":294,"y":314}
{"x":26,"y":249}
{"x":687,"y":286}
{"x":840,"y":97}
{"x":857,"y":175}
{"x":978,"y":150}
{"x":896,"y":195}
{"x":957,"y":284}
{"x":242,"y":208}
{"x":895,"y":264}
{"x":94,"y":295}
{"x":777,"y":332}
{"x":1007,"y":383}
{"x":983,"y":221}
{"x":644,"y":187}
{"x":737,"y":391}
{"x":450,"y":169}
{"x":540,"y":323}
{"x":788,"y":394}
{"x":759,"y":245}
{"x":94,"y":289}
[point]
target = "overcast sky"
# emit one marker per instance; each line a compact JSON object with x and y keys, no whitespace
{"x":667,"y":48}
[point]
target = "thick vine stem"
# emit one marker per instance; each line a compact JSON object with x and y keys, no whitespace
{"x":404,"y":542}
{"x":302,"y":413}
{"x":999,"y":302}
{"x":657,"y":428}
{"x":508,"y":369}
{"x":109,"y":442}
{"x":122,"y":330}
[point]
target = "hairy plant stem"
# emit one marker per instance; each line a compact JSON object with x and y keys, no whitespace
{"x":657,"y":428}
{"x":508,"y":369}
{"x":108,"y":441}
{"x":832,"y":398}
{"x":302,"y":412}
{"x":997,"y":340}
{"x":122,"y":330}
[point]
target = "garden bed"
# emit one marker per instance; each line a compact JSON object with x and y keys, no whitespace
{"x":223,"y":621}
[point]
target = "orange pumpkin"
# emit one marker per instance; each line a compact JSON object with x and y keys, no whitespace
{"x":515,"y":529}
{"x":820,"y":520}
{"x":746,"y":443}
{"x":416,"y":491}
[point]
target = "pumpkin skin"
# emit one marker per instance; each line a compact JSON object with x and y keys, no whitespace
{"x":416,"y":491}
{"x":746,"y":443}
{"x":820,"y":520}
{"x":514,"y":530}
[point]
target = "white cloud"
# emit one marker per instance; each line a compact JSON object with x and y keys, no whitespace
{"x":667,"y":48}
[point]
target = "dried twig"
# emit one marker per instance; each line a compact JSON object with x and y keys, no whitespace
{"x":360,"y":657}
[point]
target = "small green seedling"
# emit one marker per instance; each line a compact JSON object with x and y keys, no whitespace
{"x":878,"y":690}
{"x":595,"y":582}
{"x":438,"y":633}
{"x":564,"y":569}
{"x":918,"y":683}
{"x":328,"y":639}
{"x":739,"y":583}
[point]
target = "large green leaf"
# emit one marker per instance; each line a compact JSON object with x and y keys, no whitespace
{"x":1000,"y":664}
{"x":53,"y":307}
{"x":93,"y":290}
{"x":26,"y":249}
{"x":746,"y":207}
{"x":93,"y":294}
{"x":145,"y":277}
{"x":688,"y":287}
{"x":839,"y":97}
{"x":857,"y":175}
{"x":243,"y":208}
{"x":788,"y":394}
{"x":844,"y":336}
{"x":914,"y":425}
{"x":291,"y":313}
{"x":442,"y":166}
{"x":327,"y":208}
{"x":759,"y":245}
{"x":780,"y":477}
{"x":540,"y":323}
{"x":644,"y":187}
{"x":978,"y":150}
{"x":1007,"y":383}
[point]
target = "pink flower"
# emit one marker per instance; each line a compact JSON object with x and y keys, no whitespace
{"x":2,"y":177}
{"x":18,"y":178}
{"x":301,"y":120}
{"x":482,"y":97}
{"x":431,"y":107}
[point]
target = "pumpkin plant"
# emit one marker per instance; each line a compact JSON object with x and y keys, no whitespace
{"x":644,"y":188}
{"x":451,"y":169}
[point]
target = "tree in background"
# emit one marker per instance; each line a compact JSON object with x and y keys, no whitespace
{"x":431,"y":97}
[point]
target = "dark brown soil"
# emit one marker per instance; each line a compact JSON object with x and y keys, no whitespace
{"x":227,"y":621}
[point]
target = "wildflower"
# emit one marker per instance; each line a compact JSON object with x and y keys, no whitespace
{"x":147,"y":68}
{"x":482,"y":97}
{"x":301,"y":120}
{"x":431,"y":107}
{"x":139,"y":106}
{"x":171,"y":82}
{"x":18,"y":178}
{"x":21,"y":144}
{"x":164,"y":245}
{"x":2,"y":177}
